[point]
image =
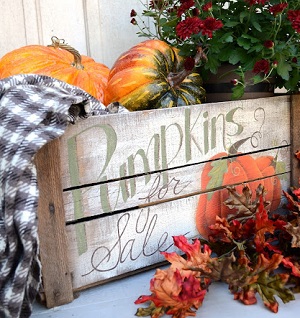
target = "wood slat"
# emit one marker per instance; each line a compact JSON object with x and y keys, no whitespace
{"x":157,"y":187}
{"x":114,"y":146}
{"x":295,"y":139}
{"x":57,"y":283}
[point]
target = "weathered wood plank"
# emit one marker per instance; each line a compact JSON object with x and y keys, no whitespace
{"x":295,"y":139}
{"x":157,"y":187}
{"x":122,"y":243}
{"x":56,"y":276}
{"x":110,"y":147}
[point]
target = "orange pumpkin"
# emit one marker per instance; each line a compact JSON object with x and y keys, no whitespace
{"x":59,"y":61}
{"x":234,"y":171}
{"x":151,"y":75}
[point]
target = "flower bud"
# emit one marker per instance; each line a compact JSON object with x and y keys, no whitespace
{"x":133,"y":13}
{"x":133,"y":21}
{"x":234,"y":82}
{"x":269,"y":44}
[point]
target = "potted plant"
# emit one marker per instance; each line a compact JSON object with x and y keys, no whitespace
{"x":259,"y":39}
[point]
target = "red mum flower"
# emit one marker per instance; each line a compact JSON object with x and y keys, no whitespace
{"x":253,"y":2}
{"x":195,"y":12}
{"x":278,"y":8}
{"x":294,"y":17}
{"x":261,"y":66}
{"x":269,"y":44}
{"x":207,"y":6}
{"x":185,"y":5}
{"x":210,"y":25}
{"x":189,"y":26}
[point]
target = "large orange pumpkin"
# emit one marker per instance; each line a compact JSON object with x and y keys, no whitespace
{"x":59,"y":61}
{"x":150,"y":75}
{"x":234,"y":171}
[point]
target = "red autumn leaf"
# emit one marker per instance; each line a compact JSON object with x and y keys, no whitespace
{"x":196,"y":255}
{"x":172,"y":294}
{"x":263,"y":225}
{"x":293,"y":265}
{"x":297,"y":154}
{"x":246,"y":296}
{"x":292,"y":204}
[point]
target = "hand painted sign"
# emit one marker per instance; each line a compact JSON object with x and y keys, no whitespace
{"x":132,"y":181}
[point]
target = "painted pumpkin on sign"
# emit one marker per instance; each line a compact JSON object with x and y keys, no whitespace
{"x":60,"y":61}
{"x":152,"y":75}
{"x":230,"y":171}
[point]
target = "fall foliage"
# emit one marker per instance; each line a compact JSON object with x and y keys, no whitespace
{"x":252,"y":250}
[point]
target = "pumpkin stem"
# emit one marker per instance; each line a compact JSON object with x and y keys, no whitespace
{"x":175,"y":79}
{"x":60,"y":43}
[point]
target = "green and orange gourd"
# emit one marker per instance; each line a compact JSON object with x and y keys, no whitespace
{"x":151,"y":75}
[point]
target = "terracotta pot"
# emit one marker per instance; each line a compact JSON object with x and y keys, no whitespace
{"x":219,"y":86}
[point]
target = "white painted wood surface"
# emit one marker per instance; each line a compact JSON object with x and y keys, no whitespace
{"x":116,"y":299}
{"x":97,"y":28}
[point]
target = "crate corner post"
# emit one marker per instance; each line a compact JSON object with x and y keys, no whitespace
{"x":295,"y":138}
{"x":56,"y":277}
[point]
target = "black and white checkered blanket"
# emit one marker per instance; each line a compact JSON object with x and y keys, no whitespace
{"x":34,"y":109}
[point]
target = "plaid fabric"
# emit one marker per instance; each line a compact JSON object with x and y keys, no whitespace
{"x":34,"y":109}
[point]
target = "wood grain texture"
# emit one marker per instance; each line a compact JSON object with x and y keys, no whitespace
{"x":127,"y":183}
{"x":110,"y":147}
{"x":138,"y":191}
{"x":57,"y":284}
{"x":295,"y":137}
{"x":122,"y":243}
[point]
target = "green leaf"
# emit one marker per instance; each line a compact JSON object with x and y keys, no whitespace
{"x":149,"y":14}
{"x":283,"y":69}
{"x":270,"y":286}
{"x":243,"y":42}
{"x":231,"y":24}
{"x":227,"y":38}
{"x":257,"y":26}
{"x":257,"y":79}
{"x":216,"y":174}
{"x":238,"y":91}
{"x":243,"y":15}
{"x":151,"y":310}
{"x":237,"y":56}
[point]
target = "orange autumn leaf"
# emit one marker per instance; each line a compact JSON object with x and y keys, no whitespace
{"x":294,"y":231}
{"x":173,"y":294}
{"x":196,"y":255}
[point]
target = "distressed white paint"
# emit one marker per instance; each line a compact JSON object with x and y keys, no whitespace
{"x":98,"y":28}
{"x":121,"y":213}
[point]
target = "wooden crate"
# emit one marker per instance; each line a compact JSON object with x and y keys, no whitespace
{"x":115,"y":189}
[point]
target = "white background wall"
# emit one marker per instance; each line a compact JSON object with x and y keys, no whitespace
{"x":97,"y":28}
